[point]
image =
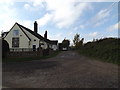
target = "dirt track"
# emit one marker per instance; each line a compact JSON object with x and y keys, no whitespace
{"x":67,"y":70}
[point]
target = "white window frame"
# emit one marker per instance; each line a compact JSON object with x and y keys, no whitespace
{"x":15,"y":32}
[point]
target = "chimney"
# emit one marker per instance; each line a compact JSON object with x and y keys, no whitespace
{"x":45,"y":35}
{"x":35,"y":26}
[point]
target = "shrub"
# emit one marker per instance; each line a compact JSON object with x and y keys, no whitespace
{"x":5,"y":48}
{"x":107,"y":49}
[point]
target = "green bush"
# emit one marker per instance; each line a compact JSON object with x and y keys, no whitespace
{"x":107,"y":49}
{"x":5,"y":48}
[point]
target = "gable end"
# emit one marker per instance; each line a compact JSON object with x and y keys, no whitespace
{"x":24,"y":32}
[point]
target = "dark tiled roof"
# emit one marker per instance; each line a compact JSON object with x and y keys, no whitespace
{"x":24,"y":32}
{"x":54,"y":42}
{"x":20,"y":28}
{"x":39,"y":36}
{"x":4,"y":33}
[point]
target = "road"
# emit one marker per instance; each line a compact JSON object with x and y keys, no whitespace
{"x":67,"y":70}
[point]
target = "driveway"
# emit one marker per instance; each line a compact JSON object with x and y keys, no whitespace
{"x":67,"y":70}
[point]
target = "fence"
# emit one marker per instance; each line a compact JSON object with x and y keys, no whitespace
{"x":28,"y":52}
{"x":24,"y":52}
{"x":20,"y":49}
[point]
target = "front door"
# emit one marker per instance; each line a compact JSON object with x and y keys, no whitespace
{"x":34,"y":47}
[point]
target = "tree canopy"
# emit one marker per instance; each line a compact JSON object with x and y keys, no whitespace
{"x":77,"y":42}
{"x":5,"y":48}
{"x":65,"y":43}
{"x":76,"y":39}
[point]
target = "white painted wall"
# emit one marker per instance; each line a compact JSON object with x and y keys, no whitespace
{"x":54,"y":47}
{"x":45,"y":46}
{"x":32,"y":37}
{"x":37,"y":40}
{"x":23,"y":40}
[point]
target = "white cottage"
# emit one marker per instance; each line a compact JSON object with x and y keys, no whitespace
{"x":22,"y":38}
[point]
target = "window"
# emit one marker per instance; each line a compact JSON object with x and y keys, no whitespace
{"x":15,"y":32}
{"x":34,"y":47}
{"x":15,"y":42}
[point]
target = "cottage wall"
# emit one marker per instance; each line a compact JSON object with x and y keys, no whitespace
{"x":45,"y":45}
{"x":23,"y":40}
{"x":54,"y":47}
{"x":34,"y":39}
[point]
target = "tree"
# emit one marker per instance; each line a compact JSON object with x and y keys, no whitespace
{"x":76,"y":39}
{"x":65,"y":43}
{"x":5,"y":48}
{"x":77,"y":42}
{"x":82,"y":40}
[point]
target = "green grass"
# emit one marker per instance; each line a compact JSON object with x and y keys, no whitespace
{"x":22,"y":59}
{"x":107,"y":50}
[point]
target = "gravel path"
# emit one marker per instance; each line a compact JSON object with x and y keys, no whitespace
{"x":67,"y":70}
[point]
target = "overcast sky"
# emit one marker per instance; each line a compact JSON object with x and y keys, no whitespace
{"x":62,"y":18}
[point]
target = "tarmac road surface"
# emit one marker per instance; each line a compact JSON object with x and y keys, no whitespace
{"x":67,"y":70}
